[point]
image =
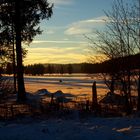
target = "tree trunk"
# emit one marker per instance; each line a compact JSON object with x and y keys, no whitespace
{"x":138,"y":106}
{"x":127,"y":106}
{"x":21,"y":96}
{"x":14,"y":62}
{"x":112,"y":84}
{"x":14,"y":68}
{"x":129,"y":89}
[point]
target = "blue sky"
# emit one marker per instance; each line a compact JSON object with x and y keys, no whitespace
{"x":62,"y":40}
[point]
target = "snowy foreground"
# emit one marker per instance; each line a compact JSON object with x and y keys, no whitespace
{"x":74,"y":129}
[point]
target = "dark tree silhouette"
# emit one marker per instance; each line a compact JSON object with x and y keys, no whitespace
{"x":50,"y":69}
{"x":70,"y":69}
{"x":61,"y":69}
{"x":138,"y":105}
{"x":119,"y":40}
{"x":23,"y":16}
{"x":94,"y":97}
{"x":9,"y":68}
{"x":36,"y":69}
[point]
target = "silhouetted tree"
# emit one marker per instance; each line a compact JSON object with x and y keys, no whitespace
{"x":24,"y":15}
{"x":36,"y":69}
{"x":61,"y":69}
{"x":94,"y":97}
{"x":119,"y":40}
{"x":70,"y":69}
{"x":137,"y":41}
{"x":9,"y":68}
{"x":50,"y":69}
{"x":138,"y":105}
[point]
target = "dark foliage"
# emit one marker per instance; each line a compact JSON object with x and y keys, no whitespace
{"x":109,"y":66}
{"x":70,"y":69}
{"x":19,"y":21}
{"x":6,"y":88}
{"x":114,"y":65}
{"x":36,"y":69}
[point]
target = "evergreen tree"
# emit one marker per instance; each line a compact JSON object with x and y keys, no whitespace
{"x":23,"y":18}
{"x":61,"y":69}
{"x":50,"y":69}
{"x":70,"y":69}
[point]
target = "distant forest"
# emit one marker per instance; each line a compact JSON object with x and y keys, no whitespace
{"x":104,"y":67}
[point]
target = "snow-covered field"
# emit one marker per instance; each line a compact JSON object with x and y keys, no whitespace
{"x":75,"y":129}
{"x":81,"y":84}
{"x":73,"y":126}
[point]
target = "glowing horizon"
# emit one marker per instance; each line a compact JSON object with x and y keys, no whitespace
{"x":62,"y":40}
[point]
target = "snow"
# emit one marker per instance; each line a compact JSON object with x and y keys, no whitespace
{"x":71,"y":129}
{"x":43,"y":92}
{"x":69,"y":84}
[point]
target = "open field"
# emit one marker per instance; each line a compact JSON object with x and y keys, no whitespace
{"x":74,"y":84}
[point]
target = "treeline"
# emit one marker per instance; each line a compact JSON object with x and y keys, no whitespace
{"x":132,"y":62}
{"x":40,"y":69}
{"x":129,"y":62}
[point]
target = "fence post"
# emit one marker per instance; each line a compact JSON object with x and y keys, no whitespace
{"x":94,"y":97}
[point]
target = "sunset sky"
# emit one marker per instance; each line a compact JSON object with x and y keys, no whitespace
{"x":62,"y":40}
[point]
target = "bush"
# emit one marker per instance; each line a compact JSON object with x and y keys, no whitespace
{"x":6,"y":87}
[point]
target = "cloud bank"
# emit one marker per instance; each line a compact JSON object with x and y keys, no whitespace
{"x":61,"y":2}
{"x":85,"y":26}
{"x":55,"y":55}
{"x":58,"y":42}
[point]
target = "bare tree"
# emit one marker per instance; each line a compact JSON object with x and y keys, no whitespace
{"x":117,"y":43}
